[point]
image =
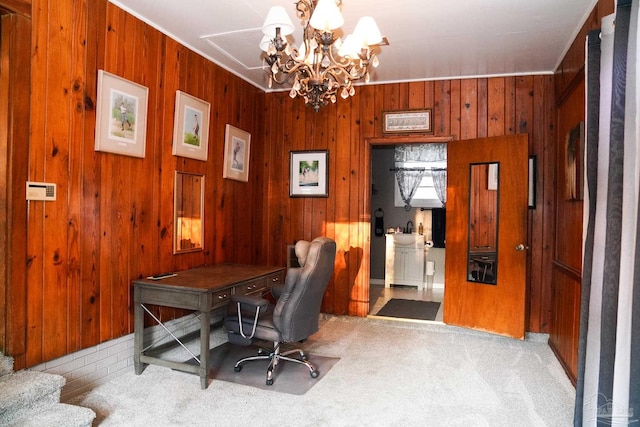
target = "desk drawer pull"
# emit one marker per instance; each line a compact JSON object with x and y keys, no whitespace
{"x":223,"y":296}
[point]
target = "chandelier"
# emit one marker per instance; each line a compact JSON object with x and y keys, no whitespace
{"x":324,"y":65}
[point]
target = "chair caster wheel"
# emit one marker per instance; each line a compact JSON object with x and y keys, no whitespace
{"x":314,"y":374}
{"x":237,"y":368}
{"x":269,"y":382}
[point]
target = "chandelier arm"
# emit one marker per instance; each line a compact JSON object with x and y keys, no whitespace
{"x":335,"y":71}
{"x":347,"y":61}
{"x":283,"y":81}
{"x":304,"y":10}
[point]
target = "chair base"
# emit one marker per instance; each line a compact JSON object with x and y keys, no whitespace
{"x":275,"y":356}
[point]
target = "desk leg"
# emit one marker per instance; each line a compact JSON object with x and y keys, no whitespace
{"x":138,"y":334}
{"x":205,"y":326}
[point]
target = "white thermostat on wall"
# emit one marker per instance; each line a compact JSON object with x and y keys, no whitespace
{"x":41,"y":191}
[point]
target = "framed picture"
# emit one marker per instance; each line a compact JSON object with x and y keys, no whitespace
{"x":574,"y":163}
{"x":236,"y":154}
{"x":121,"y":116}
{"x":411,"y":121}
{"x":191,"y":127}
{"x":309,"y":174}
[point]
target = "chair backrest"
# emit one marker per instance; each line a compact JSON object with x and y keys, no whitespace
{"x":297,"y":311}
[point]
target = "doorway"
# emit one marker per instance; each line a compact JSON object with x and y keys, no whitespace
{"x":385,"y":215}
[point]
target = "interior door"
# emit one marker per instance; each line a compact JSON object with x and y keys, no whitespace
{"x":486,"y":279}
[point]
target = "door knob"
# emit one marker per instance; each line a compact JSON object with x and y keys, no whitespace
{"x":521,"y":247}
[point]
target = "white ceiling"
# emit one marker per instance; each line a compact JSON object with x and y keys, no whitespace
{"x":429,"y":39}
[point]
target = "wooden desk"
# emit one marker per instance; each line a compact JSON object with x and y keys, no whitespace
{"x":201,"y":289}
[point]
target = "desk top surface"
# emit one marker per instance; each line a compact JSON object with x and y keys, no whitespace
{"x":207,"y":278}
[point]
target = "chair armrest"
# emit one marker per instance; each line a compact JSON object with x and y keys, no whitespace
{"x":245,"y":303}
{"x":248,"y":302}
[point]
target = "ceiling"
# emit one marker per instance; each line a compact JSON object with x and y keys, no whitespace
{"x":429,"y":39}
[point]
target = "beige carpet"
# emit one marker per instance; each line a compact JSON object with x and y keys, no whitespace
{"x":390,"y":373}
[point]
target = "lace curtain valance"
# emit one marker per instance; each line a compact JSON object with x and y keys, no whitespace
{"x":420,"y":153}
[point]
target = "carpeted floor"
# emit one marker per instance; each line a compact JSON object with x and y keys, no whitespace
{"x":410,"y":309}
{"x":389,"y":374}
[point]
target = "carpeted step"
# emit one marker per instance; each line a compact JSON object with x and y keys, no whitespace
{"x":26,"y":391}
{"x":57,"y":415}
{"x":6,"y":365}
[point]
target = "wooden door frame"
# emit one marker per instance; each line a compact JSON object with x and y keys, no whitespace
{"x":366,"y":192}
{"x":15,"y":116}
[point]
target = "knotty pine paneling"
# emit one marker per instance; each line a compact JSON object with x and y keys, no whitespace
{"x":468,"y":108}
{"x":571,"y":68}
{"x":14,"y":133}
{"x":568,"y":241}
{"x":112,"y":221}
{"x":22,"y":7}
{"x":567,"y":233}
{"x":567,"y":253}
{"x":564,"y":334}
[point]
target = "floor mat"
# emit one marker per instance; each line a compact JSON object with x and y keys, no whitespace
{"x":410,"y":309}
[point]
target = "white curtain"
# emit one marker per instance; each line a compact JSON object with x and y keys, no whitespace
{"x":439,"y":176}
{"x":409,"y":178}
{"x":608,"y":388}
{"x":408,"y":182}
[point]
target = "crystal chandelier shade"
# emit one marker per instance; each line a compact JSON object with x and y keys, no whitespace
{"x":323,"y":66}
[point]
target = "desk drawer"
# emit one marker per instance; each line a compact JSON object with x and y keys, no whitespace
{"x":275,"y":279}
{"x":252,"y":287}
{"x":220,"y":298}
{"x":261,"y":285}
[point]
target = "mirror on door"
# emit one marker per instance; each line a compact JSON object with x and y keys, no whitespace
{"x":482,"y":250}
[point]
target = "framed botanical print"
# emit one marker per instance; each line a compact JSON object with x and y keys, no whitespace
{"x":121,"y":116}
{"x":191,"y":127}
{"x":236,"y":154}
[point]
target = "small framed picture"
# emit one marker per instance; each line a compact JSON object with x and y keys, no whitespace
{"x":191,"y":127}
{"x":574,"y":163}
{"x":236,"y":154}
{"x":121,"y":116}
{"x":410,"y":121}
{"x":309,"y":174}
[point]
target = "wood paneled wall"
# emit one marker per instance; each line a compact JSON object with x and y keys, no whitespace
{"x":463,"y":109}
{"x":567,"y":251}
{"x":15,"y":42}
{"x":112,"y":221}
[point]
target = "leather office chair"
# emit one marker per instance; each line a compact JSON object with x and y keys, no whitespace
{"x":294,"y":317}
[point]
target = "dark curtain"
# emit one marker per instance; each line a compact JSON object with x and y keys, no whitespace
{"x":608,"y":383}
